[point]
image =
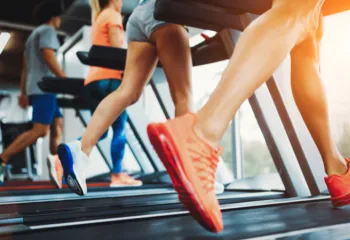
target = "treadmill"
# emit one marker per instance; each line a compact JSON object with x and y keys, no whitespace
{"x":289,"y":217}
{"x":299,"y":220}
{"x":57,"y":205}
{"x":44,"y":191}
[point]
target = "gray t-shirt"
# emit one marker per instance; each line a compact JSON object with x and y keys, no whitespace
{"x":42,"y":37}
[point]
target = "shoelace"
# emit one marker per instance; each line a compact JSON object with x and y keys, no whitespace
{"x":206,"y":161}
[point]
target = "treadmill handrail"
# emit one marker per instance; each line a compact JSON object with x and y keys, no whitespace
{"x":242,"y":6}
{"x":47,"y":78}
{"x":71,"y":86}
{"x":83,"y":57}
{"x":197,"y":14}
{"x":106,"y":57}
{"x":206,"y":52}
{"x":261,"y":6}
{"x":218,"y":14}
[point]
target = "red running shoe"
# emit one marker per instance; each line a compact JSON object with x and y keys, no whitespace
{"x":339,"y":188}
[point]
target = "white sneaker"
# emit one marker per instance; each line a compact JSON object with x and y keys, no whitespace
{"x":219,"y":188}
{"x":74,"y":162}
{"x":3,"y":169}
{"x":55,"y":170}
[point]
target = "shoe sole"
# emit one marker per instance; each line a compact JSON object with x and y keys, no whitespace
{"x":124,"y":185}
{"x":53,"y":174}
{"x":341,"y":201}
{"x":167,"y":153}
{"x":70,"y":175}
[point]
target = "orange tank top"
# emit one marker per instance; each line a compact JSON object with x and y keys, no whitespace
{"x":100,"y":36}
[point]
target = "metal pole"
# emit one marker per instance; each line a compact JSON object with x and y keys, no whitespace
{"x":236,"y":148}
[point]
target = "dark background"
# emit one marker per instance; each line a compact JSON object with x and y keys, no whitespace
{"x":16,"y":17}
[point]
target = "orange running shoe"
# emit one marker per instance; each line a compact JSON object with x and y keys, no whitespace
{"x":339,"y":188}
{"x":191,"y":164}
{"x":124,"y":180}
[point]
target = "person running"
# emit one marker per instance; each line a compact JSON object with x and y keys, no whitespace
{"x":189,"y":144}
{"x":107,"y":30}
{"x":148,"y":41}
{"x":39,"y":60}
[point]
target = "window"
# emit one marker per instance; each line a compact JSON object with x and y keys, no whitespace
{"x":335,"y":51}
{"x":152,"y":106}
{"x":256,"y":158}
{"x":254,"y":154}
{"x":205,"y":78}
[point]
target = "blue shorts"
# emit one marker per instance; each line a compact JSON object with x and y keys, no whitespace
{"x":45,"y":108}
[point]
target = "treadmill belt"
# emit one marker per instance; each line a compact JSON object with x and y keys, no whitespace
{"x":93,"y":187}
{"x":41,"y":186}
{"x":282,"y":220}
{"x":118,"y":206}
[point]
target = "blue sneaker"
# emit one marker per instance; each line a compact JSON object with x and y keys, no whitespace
{"x":74,"y":163}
